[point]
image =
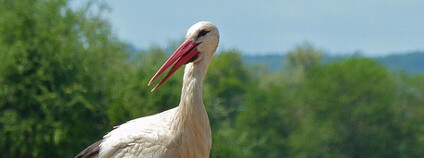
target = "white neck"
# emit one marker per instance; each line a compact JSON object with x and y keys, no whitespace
{"x":192,"y":122}
{"x":191,"y":104}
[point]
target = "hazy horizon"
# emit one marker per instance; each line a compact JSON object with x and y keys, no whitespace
{"x":374,"y":28}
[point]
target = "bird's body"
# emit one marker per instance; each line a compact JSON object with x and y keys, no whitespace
{"x":183,"y":131}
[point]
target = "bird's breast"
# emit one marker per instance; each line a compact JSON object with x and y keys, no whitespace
{"x":193,"y":134}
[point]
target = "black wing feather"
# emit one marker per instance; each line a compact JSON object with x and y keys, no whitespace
{"x":91,"y":151}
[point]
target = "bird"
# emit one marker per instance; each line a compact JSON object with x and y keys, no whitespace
{"x":180,"y":132}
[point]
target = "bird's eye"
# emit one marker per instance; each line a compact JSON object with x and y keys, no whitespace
{"x":202,"y":33}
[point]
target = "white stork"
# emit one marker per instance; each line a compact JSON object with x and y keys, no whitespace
{"x":183,"y":131}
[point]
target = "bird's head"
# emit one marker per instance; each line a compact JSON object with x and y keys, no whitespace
{"x":206,"y":35}
{"x":201,"y":42}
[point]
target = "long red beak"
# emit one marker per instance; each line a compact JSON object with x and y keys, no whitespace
{"x":182,"y":55}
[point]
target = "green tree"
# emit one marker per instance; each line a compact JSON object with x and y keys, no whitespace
{"x":352,"y":112}
{"x":57,"y":70}
{"x":303,"y":57}
{"x":272,"y":109}
{"x":167,"y":97}
{"x":224,"y":86}
{"x":410,"y":114}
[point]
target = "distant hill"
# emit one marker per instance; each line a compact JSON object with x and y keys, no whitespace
{"x":273,"y":62}
{"x":412,"y":62}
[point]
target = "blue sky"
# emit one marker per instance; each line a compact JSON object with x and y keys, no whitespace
{"x":375,"y":27}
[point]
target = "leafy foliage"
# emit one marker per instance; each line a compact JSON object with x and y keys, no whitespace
{"x":57,"y":68}
{"x":352,"y":104}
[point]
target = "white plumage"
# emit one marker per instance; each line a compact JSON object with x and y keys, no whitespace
{"x":183,"y":131}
